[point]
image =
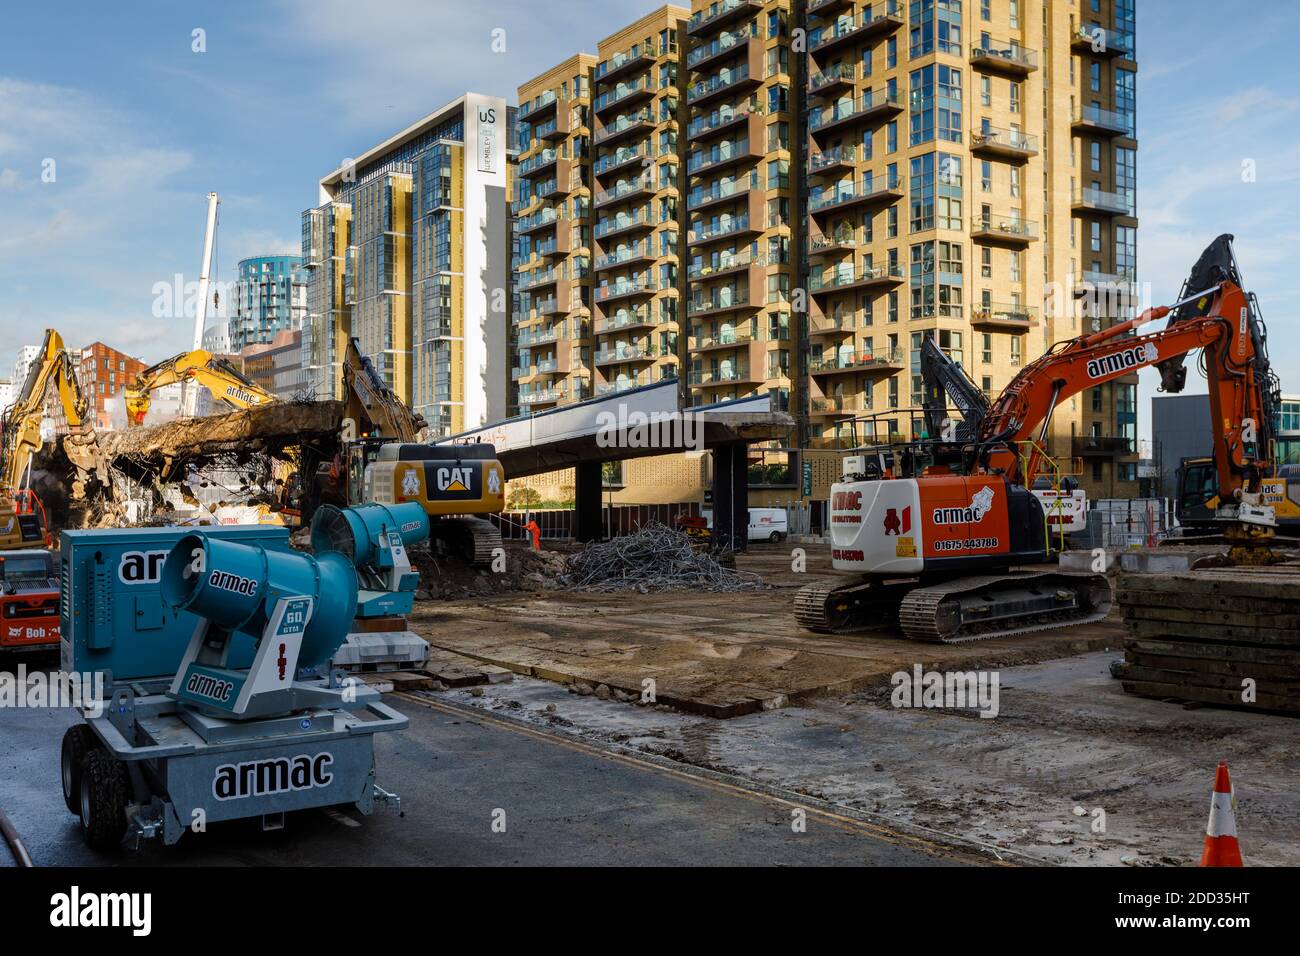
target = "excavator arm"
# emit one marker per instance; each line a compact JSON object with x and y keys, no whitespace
{"x":371,"y":405}
{"x":1239,"y":401}
{"x":944,"y":380}
{"x":22,"y":420}
{"x":217,"y":375}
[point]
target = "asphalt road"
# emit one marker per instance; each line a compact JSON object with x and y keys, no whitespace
{"x":563,"y":803}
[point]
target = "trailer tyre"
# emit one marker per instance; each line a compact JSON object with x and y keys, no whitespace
{"x":78,"y":741}
{"x":104,"y":789}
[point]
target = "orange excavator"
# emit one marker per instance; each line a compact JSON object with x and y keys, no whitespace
{"x":934,"y":551}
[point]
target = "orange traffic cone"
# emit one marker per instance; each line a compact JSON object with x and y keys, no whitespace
{"x":1221,"y":847}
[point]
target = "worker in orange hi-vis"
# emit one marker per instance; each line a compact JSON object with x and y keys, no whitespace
{"x":1221,"y":847}
{"x":533,"y":529}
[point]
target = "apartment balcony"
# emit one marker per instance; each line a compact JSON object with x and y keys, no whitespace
{"x":1102,"y":122}
{"x":881,"y":19}
{"x":1003,"y":143}
{"x":838,"y":406}
{"x":623,"y":94}
{"x":623,"y":224}
{"x":834,"y":160}
{"x":724,"y":119}
{"x":1003,"y":317}
{"x":542,"y":219}
{"x":841,"y":196}
{"x":724,"y":83}
{"x":627,"y":318}
{"x":1092,"y":39}
{"x":556,"y":304}
{"x":721,"y":155}
{"x":729,"y":340}
{"x":554,"y":188}
{"x":725,"y":374}
{"x":548,"y":164}
{"x":725,"y":46}
{"x":1004,"y":230}
{"x":837,"y":78}
{"x":623,"y":289}
{"x":558,"y":128}
{"x":884,"y":361}
{"x":721,"y":301}
{"x":703,"y":197}
{"x":725,"y":227}
{"x":843,"y":280}
{"x":628,"y":189}
{"x":623,"y":383}
{"x":1009,"y":59}
{"x":731,"y":265}
{"x":537,"y":278}
{"x":823,"y":7}
{"x":635,"y":254}
{"x":627,"y":355}
{"x":620,"y":159}
{"x":1103,"y":203}
{"x":545,"y":396}
{"x":876,"y":104}
{"x":823,"y":245}
{"x":720,"y":14}
{"x":537,"y":107}
{"x":624,"y":127}
{"x":1121,"y":288}
{"x":527,"y":338}
{"x":1101,"y":446}
{"x":639,"y":57}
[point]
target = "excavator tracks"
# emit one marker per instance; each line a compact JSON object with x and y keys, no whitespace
{"x":978,"y":608}
{"x":856,"y":607}
{"x":475,"y":540}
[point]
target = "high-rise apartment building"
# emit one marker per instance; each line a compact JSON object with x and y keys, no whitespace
{"x":788,"y":196}
{"x":270,"y":296}
{"x":409,"y":253}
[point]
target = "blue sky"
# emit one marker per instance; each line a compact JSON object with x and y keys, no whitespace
{"x":141,"y":128}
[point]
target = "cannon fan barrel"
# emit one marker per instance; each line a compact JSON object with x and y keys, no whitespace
{"x":357,"y":531}
{"x":236,"y":586}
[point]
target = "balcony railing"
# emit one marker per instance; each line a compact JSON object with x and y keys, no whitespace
{"x":1011,"y":57}
{"x":705,"y":88}
{"x":867,"y":103}
{"x":719,"y":119}
{"x":626,"y":353}
{"x":543,"y":159}
{"x":718,"y":376}
{"x":623,"y":124}
{"x":620,"y":157}
{"x":837,"y":75}
{"x":637,"y":220}
{"x":1005,"y":228}
{"x":540,"y":396}
{"x":624,"y":320}
{"x":1101,"y":41}
{"x":1111,"y":121}
{"x":621,"y":61}
{"x":840,"y":194}
{"x":720,"y":44}
{"x":879,"y":16}
{"x":701,"y":196}
{"x":1006,"y":141}
{"x":1100,"y":200}
{"x":720,"y":153}
{"x":538,"y":220}
{"x":720,"y":12}
{"x":620,"y":93}
{"x":724,"y":265}
{"x":1003,"y":313}
{"x":833,"y":158}
{"x":629,"y":187}
{"x":720,"y":300}
{"x":638,"y":250}
{"x":717,"y":230}
{"x":840,"y":278}
{"x":538,"y":102}
{"x":843,"y":361}
{"x":624,"y":288}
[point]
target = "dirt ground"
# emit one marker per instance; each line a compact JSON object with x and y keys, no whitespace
{"x":1071,"y":770}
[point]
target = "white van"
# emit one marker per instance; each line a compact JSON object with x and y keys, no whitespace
{"x":765,"y":524}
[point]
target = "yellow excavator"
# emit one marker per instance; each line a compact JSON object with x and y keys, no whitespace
{"x":383,"y":460}
{"x":200,"y":366}
{"x":22,"y":516}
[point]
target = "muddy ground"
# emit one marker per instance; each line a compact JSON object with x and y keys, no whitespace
{"x":1071,"y":770}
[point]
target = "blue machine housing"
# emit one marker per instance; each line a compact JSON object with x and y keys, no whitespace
{"x":112,"y":616}
{"x":240,"y":584}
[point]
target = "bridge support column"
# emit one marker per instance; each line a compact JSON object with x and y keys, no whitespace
{"x":588,"y":485}
{"x":731,"y":496}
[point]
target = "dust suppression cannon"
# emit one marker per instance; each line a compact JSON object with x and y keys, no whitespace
{"x":252,"y":721}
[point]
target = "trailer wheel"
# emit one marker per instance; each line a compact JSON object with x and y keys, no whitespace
{"x":104,"y":788}
{"x":78,"y":741}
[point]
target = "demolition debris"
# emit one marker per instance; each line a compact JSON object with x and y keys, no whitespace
{"x":655,"y":558}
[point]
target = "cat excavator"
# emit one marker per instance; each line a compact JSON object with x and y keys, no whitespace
{"x":199,"y":366}
{"x":935,"y":552}
{"x":383,"y":460}
{"x":22,"y":516}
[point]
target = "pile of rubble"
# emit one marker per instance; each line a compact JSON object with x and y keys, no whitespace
{"x":449,"y":578}
{"x":656,"y":558}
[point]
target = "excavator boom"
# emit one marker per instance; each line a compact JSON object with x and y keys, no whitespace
{"x":200,"y":366}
